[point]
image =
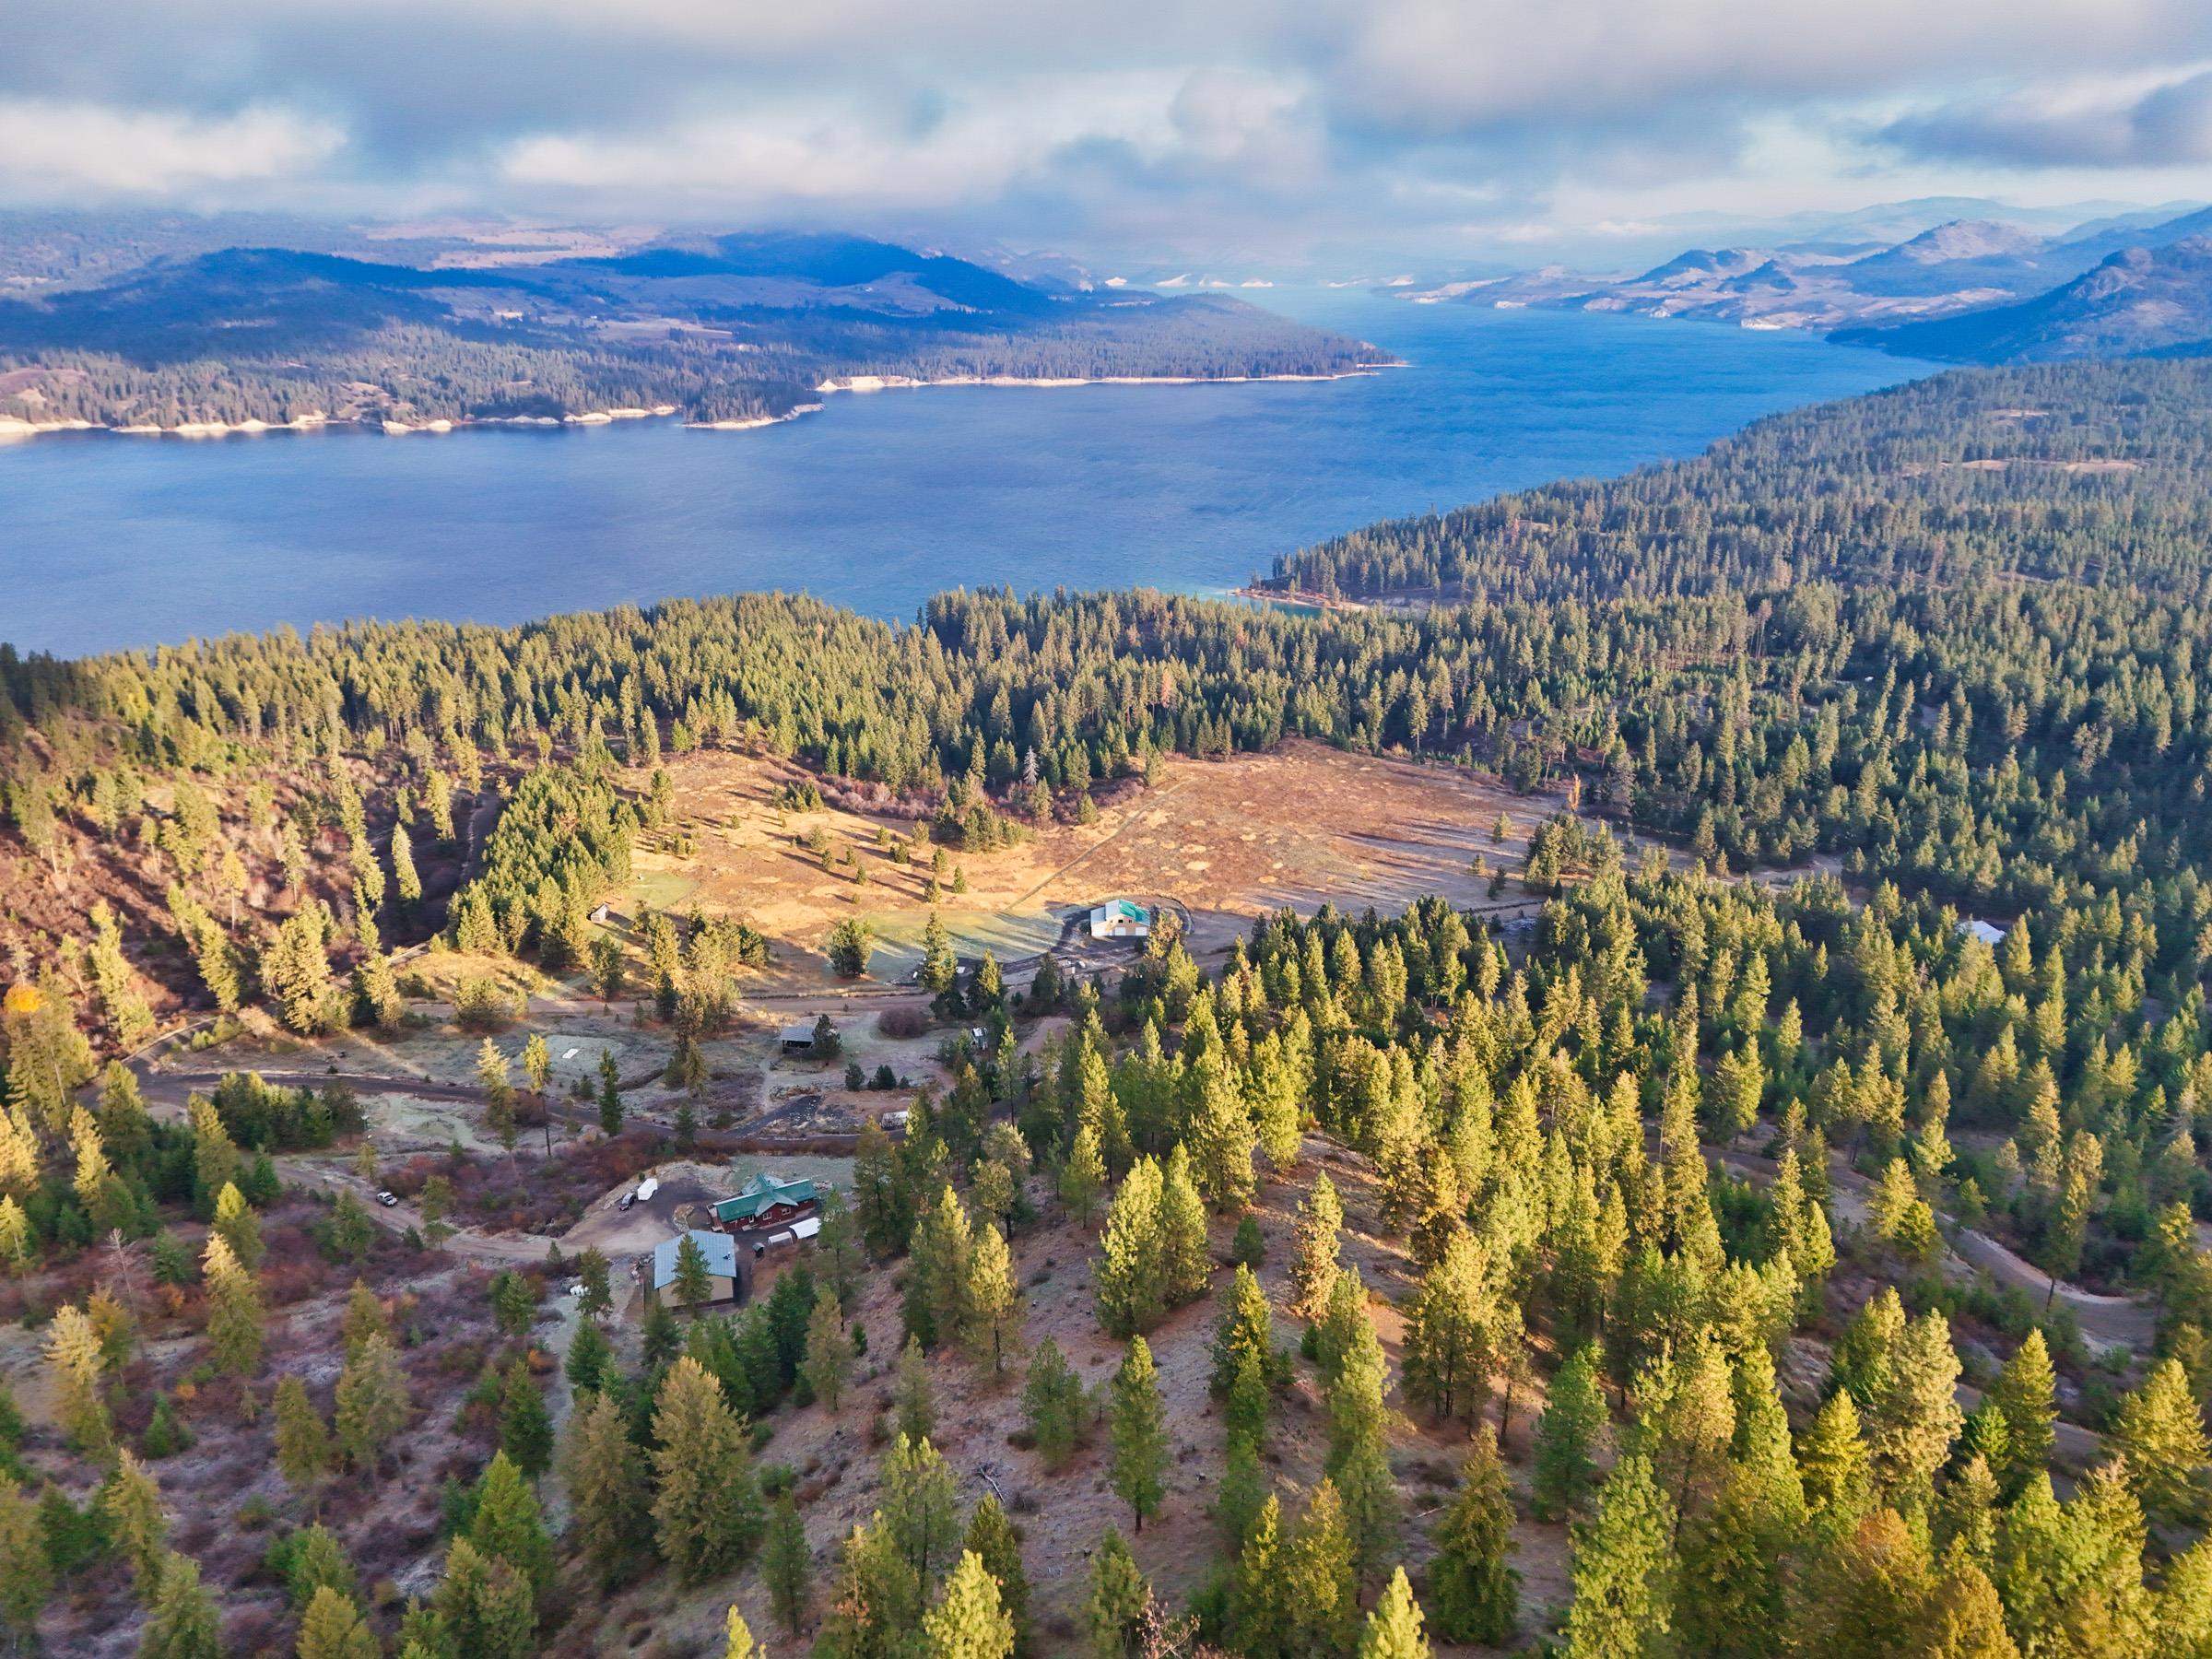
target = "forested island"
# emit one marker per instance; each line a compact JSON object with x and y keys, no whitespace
{"x":732,"y":329}
{"x":1780,"y":1235}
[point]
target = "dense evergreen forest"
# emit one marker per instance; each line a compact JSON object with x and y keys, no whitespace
{"x":1686,"y":1175}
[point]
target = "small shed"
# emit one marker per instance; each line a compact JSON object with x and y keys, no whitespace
{"x":1120,"y":919}
{"x":796,"y":1039}
{"x":1988,"y":933}
{"x":721,"y":1251}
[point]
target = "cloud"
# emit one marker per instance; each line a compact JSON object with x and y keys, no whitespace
{"x":1133,"y":126}
{"x":2168,"y":125}
{"x":60,"y":151}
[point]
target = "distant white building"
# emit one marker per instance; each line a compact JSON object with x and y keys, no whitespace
{"x":1119,"y":919}
{"x":1987,"y":931}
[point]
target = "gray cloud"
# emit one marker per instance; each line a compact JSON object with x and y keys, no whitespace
{"x":2170,"y":125}
{"x":1264,"y":121}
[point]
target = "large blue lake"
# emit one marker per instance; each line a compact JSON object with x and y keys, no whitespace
{"x":882,"y":499}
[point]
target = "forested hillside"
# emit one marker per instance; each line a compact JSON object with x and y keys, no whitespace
{"x":730,"y":328}
{"x":1832,"y":1272}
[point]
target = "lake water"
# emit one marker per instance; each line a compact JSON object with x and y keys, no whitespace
{"x":882,"y":499}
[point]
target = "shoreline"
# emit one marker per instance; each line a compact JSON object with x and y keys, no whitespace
{"x":14,"y":428}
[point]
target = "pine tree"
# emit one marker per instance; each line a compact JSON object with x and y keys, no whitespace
{"x":372,"y":1403}
{"x":1966,"y":1620}
{"x":1120,"y":1598}
{"x":1083,"y":1175}
{"x":1131,"y":1265}
{"x":995,"y":1310}
{"x":485,"y":1606}
{"x":303,"y":1439}
{"x":1473,"y":1590}
{"x":26,"y":1568}
{"x":2160,"y":1432}
{"x":1221,"y":1140}
{"x":1137,"y":1418}
{"x":1832,"y":1461}
{"x":918,"y":1511}
{"x":786,"y":1564}
{"x":319,"y":1561}
{"x":1313,"y":1264}
{"x":605,"y":1473}
{"x":914,"y":1400}
{"x":1574,"y":1415}
{"x":525,"y":1427}
{"x":1915,"y":1415}
{"x":1185,"y":1268}
{"x":1319,"y":1585}
{"x":334,"y":1628}
{"x":235,"y":1320}
{"x":183,"y":1623}
{"x":1245,"y":1332}
{"x":1258,"y":1620}
{"x":1448,"y":1351}
{"x":73,"y":1351}
{"x":692,"y":1282}
{"x":969,"y":1622}
{"x":1623,"y":1568}
{"x":508,"y":1525}
{"x":829,"y":1351}
{"x":1393,"y":1628}
{"x":132,"y":1504}
{"x":705,"y":1508}
{"x":2024,"y":1397}
{"x":1053,"y":1406}
{"x":937,"y":1268}
{"x":237,"y":1224}
{"x":992,"y":1539}
{"x":1866,"y":1592}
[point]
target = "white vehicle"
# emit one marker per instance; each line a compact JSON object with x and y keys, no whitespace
{"x":387,"y":1200}
{"x":648,"y":1187}
{"x":576,"y":1289}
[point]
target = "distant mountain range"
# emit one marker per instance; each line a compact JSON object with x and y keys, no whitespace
{"x":1967,"y":289}
{"x":732,"y":328}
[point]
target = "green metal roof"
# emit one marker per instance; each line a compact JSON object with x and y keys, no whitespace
{"x":762,"y":1193}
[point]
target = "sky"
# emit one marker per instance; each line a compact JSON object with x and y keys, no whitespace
{"x":1324,"y":131}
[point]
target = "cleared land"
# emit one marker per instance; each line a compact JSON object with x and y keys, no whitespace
{"x":1229,"y":840}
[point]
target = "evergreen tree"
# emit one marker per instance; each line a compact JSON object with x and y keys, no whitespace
{"x":1131,"y":1265}
{"x":1574,"y":1415}
{"x":1259,"y":1617}
{"x":1313,"y":1263}
{"x":1832,"y":1461}
{"x":2024,"y":1397}
{"x":136,"y":1525}
{"x":506,"y":1525}
{"x":969,"y":1622}
{"x":1474,"y":1589}
{"x":606,"y":1477}
{"x":26,"y":1566}
{"x":1119,"y":1599}
{"x":914,"y":1400}
{"x":993,"y":1540}
{"x":1319,"y":1585}
{"x":303,"y":1439}
{"x":2160,"y":1432}
{"x":1624,"y":1569}
{"x":1393,"y":1628}
{"x":334,"y":1628}
{"x":919,"y":1513}
{"x":995,"y":1307}
{"x":786,"y":1564}
{"x":1053,"y":1405}
{"x":525,"y":1427}
{"x":372,"y":1403}
{"x":705,"y":1508}
{"x":182,"y":1622}
{"x":1137,"y":1418}
{"x":829,"y":1351}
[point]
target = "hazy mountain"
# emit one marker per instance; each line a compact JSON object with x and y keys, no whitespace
{"x":721,"y":327}
{"x":2139,"y":300}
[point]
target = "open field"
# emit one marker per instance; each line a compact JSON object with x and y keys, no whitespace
{"x":1229,"y":840}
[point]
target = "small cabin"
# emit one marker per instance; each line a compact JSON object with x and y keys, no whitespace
{"x":1120,"y":919}
{"x":765,"y":1204}
{"x":796,"y":1039}
{"x":724,"y":1275}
